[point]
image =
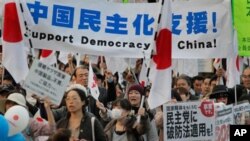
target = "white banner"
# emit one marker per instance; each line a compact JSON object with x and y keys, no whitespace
{"x":95,"y":27}
{"x":202,"y":29}
{"x":189,"y":121}
{"x":44,"y":80}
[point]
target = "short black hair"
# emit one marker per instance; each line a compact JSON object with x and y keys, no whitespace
{"x":198,"y":77}
{"x":124,"y":103}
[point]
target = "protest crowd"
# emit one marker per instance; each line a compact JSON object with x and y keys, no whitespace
{"x":86,"y":97}
{"x":118,"y":104}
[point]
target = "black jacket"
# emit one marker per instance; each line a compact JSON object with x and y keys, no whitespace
{"x":85,"y":127}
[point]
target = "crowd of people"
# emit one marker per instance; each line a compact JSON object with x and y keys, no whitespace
{"x":114,"y":116}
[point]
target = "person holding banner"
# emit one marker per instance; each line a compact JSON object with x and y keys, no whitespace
{"x":80,"y":77}
{"x":135,"y":96}
{"x":78,"y":120}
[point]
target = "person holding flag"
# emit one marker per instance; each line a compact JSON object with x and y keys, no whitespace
{"x":136,"y":96}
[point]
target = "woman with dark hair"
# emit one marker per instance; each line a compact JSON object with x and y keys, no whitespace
{"x":134,"y":95}
{"x":78,"y":120}
{"x":121,"y":127}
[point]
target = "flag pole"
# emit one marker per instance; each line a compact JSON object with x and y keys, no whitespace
{"x":152,"y":51}
{"x":32,"y":51}
{"x":102,"y":69}
{"x":147,"y":83}
{"x":3,"y":74}
{"x":235,"y":94}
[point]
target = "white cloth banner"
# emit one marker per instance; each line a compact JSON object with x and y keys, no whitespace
{"x":95,"y":27}
{"x":202,"y":29}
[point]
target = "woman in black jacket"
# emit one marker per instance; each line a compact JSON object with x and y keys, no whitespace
{"x":78,"y":120}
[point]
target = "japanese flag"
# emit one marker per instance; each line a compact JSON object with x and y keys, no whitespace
{"x":92,"y":83}
{"x":48,"y":57}
{"x":160,"y":71}
{"x":14,"y":50}
{"x":218,"y":64}
{"x":234,"y":65}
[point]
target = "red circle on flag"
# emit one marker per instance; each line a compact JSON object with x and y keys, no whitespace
{"x":163,"y":49}
{"x":15,"y":117}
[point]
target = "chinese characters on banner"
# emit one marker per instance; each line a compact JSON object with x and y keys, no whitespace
{"x":241,"y":13}
{"x":224,"y":117}
{"x":189,"y":121}
{"x":44,"y":80}
{"x":95,"y":27}
{"x":202,"y":29}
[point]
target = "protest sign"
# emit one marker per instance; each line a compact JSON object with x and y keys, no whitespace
{"x":44,"y":80}
{"x":189,"y":121}
{"x":241,"y":16}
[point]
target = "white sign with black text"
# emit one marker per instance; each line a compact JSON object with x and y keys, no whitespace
{"x":47,"y":81}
